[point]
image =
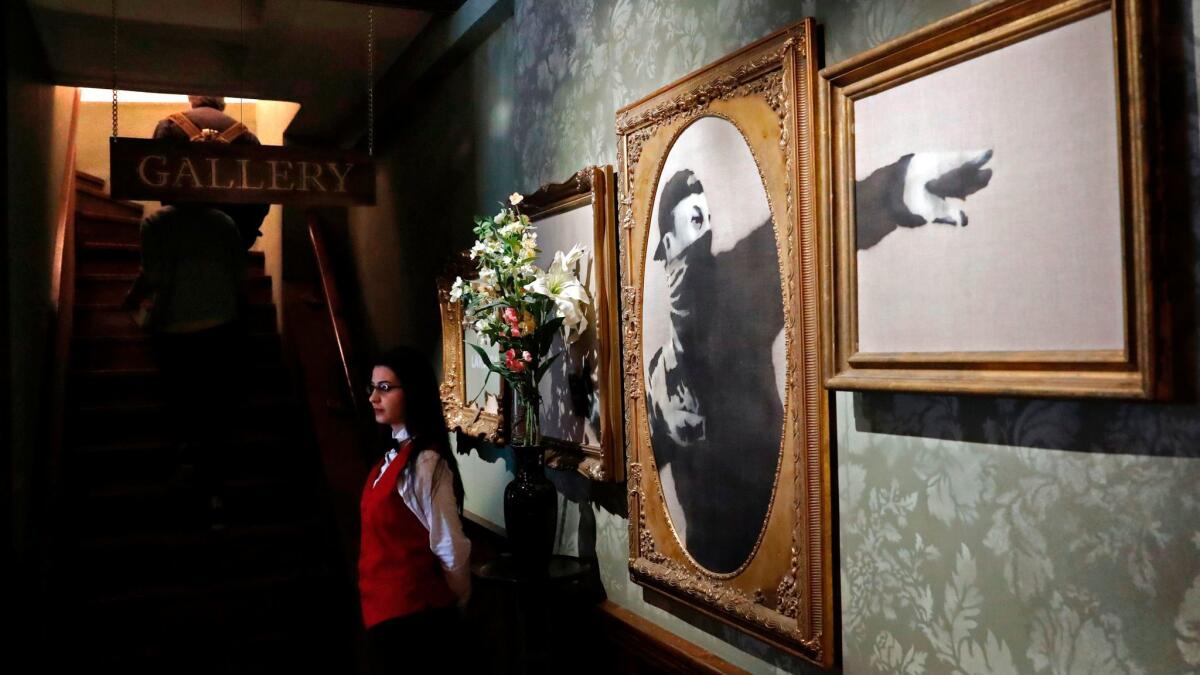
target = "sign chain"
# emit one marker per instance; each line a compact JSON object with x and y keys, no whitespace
{"x":114,"y":68}
{"x":371,"y":81}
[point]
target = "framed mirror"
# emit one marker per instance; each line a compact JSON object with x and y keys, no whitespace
{"x":474,"y":404}
{"x":581,"y":393}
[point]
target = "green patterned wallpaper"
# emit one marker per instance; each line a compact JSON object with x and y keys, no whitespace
{"x":977,"y":535}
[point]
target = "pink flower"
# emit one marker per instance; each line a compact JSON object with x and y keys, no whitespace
{"x":512,"y":363}
{"x":516,"y":333}
{"x":511,"y":317}
{"x":526,"y":357}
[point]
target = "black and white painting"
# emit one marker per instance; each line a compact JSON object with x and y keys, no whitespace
{"x":713,"y":345}
{"x":987,"y":202}
{"x":571,"y":404}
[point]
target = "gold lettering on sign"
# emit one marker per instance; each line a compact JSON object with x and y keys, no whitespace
{"x":341,"y":175}
{"x":186,"y":167}
{"x":276,"y":174}
{"x":162,"y":175}
{"x":212,"y":179}
{"x":246,"y":176}
{"x":305,"y":179}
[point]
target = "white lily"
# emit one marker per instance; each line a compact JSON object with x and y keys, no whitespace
{"x":512,"y":228}
{"x":456,"y":291}
{"x":573,"y":256}
{"x":480,"y":327}
{"x":560,"y":284}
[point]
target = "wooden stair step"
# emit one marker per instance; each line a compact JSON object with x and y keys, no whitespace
{"x":125,"y":258}
{"x":96,"y":200}
{"x":319,"y":647}
{"x":85,"y":178}
{"x":250,"y":456}
{"x":98,"y":320}
{"x":98,"y":226}
{"x":106,"y":289}
{"x":135,"y":352}
{"x":128,"y":507}
{"x":145,"y":385}
{"x":152,"y":422}
{"x":217,"y":612}
{"x":123,"y":563}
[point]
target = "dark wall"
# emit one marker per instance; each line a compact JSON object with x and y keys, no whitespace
{"x":37,"y":122}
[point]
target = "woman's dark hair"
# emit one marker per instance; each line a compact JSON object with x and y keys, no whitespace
{"x":422,"y":411}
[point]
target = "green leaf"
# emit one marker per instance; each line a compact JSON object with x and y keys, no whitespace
{"x":483,"y":355}
{"x":546,"y":366}
{"x":490,"y":305}
{"x":545,"y":334}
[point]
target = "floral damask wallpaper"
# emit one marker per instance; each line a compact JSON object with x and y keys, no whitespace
{"x":977,"y":535}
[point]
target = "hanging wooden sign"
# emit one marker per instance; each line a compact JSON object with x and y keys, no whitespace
{"x":239,"y":173}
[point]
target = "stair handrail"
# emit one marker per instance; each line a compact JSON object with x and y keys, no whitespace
{"x":62,"y":298}
{"x":336,"y":309}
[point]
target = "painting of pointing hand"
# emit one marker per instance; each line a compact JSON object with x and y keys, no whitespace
{"x":919,"y":189}
{"x":986,"y":203}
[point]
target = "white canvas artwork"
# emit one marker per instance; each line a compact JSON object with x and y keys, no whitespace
{"x":988,"y":202}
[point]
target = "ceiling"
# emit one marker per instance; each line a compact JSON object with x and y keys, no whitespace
{"x":312,"y":52}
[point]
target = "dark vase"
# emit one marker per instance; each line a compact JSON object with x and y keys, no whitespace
{"x":530,"y":500}
{"x":531,"y":510}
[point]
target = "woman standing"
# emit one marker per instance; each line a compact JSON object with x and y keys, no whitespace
{"x":413,"y":562}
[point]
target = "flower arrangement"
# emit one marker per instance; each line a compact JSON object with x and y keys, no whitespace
{"x":517,"y":307}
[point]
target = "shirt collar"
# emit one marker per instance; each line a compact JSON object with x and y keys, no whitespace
{"x":400,"y":435}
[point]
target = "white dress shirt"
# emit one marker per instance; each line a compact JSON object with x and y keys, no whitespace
{"x":436,"y":509}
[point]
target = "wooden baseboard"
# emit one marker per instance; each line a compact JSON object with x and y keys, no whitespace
{"x":642,"y":646}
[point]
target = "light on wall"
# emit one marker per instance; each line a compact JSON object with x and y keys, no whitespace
{"x":92,"y":95}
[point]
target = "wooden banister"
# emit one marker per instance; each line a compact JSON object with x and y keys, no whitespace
{"x":333,"y":302}
{"x":65,"y":229}
{"x":62,"y":297}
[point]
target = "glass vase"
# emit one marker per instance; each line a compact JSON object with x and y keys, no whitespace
{"x":530,"y":500}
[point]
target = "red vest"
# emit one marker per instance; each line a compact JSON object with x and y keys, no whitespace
{"x":397,"y":572}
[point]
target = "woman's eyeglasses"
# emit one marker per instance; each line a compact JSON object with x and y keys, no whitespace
{"x":383,"y":387}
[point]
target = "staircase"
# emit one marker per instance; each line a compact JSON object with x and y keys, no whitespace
{"x":143,"y":584}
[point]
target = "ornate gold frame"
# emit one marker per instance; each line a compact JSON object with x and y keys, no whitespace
{"x":462,"y":416}
{"x":784,"y":594}
{"x":593,"y":186}
{"x":1129,"y":373}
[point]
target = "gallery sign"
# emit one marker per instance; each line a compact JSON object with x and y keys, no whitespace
{"x":239,"y":173}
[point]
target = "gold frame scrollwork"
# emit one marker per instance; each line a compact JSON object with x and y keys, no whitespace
{"x":461,"y":415}
{"x":592,"y":187}
{"x":784,"y":593}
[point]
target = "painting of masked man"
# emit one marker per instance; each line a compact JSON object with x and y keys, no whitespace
{"x":713,"y":348}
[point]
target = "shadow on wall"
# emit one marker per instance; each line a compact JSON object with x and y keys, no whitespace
{"x":588,"y":495}
{"x":575,"y":488}
{"x":485,"y":451}
{"x":1103,"y":427}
